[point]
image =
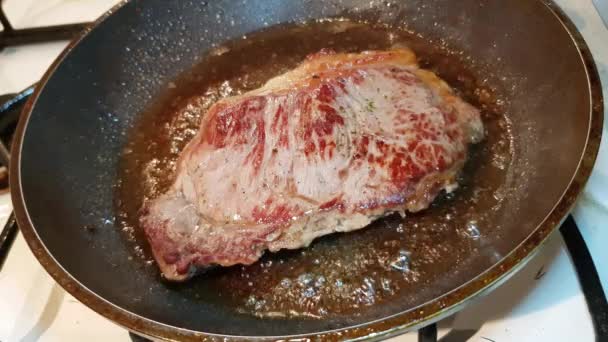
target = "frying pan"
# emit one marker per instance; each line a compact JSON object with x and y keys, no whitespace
{"x":68,"y":143}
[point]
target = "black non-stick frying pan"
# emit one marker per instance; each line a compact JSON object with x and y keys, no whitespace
{"x":68,"y":145}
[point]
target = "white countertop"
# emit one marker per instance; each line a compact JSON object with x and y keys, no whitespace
{"x":552,"y":308}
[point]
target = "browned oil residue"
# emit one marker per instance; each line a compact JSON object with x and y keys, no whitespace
{"x":393,"y":260}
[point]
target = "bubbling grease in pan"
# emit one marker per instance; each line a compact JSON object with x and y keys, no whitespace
{"x":339,"y":274}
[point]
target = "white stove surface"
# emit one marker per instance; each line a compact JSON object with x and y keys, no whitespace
{"x":543,"y":302}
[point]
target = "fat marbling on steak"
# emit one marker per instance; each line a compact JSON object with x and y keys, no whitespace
{"x":327,"y":147}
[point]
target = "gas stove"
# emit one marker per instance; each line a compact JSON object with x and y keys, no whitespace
{"x":558,"y":296}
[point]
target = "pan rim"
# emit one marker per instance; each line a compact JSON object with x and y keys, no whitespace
{"x":428,"y":312}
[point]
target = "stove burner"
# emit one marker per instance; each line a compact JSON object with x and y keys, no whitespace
{"x":11,"y":105}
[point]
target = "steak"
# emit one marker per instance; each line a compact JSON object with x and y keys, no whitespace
{"x":329,"y":146}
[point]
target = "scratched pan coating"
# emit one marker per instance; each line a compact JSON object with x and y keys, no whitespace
{"x":522,"y":62}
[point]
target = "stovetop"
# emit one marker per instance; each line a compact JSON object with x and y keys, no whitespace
{"x":543,"y":302}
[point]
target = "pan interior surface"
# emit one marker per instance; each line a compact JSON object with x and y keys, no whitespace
{"x":344,"y":275}
{"x":520,"y":62}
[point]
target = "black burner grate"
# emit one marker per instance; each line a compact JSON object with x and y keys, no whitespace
{"x":11,"y":36}
{"x":10,"y":107}
{"x":10,"y":104}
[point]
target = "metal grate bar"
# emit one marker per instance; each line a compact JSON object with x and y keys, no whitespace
{"x":588,"y":277}
{"x":11,"y":36}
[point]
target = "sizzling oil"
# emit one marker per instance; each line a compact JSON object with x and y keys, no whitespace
{"x":339,"y":274}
